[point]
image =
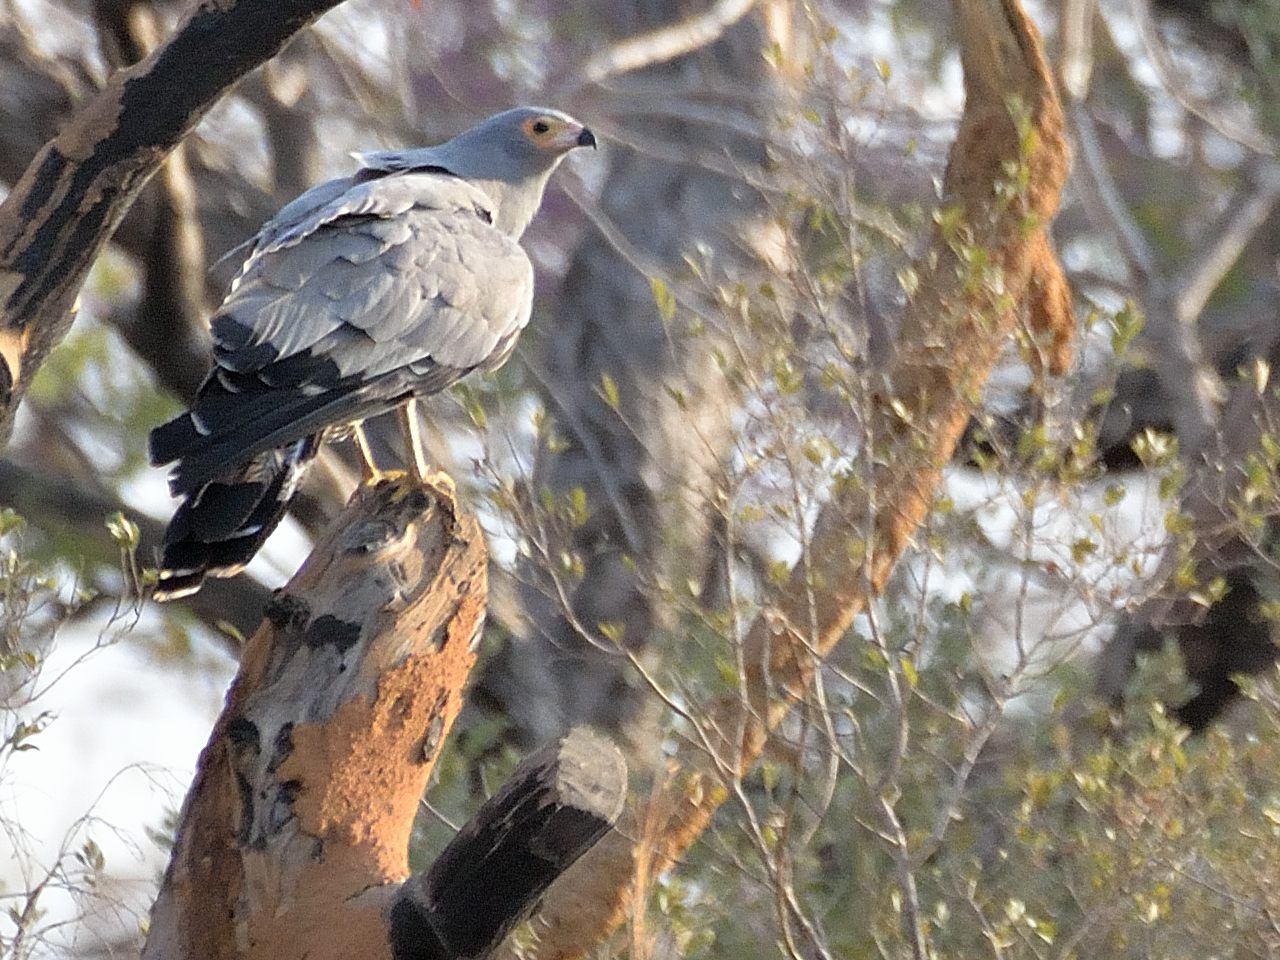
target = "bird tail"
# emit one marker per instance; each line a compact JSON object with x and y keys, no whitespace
{"x":209,"y":438}
{"x":223,"y":522}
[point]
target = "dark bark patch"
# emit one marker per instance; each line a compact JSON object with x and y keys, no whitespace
{"x":286,"y":611}
{"x":283,"y":747}
{"x":244,"y":789}
{"x":328,"y":630}
{"x":243,"y":733}
{"x":411,"y":935}
{"x":282,"y":808}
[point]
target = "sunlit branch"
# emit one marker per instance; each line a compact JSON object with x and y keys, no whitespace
{"x":666,"y":43}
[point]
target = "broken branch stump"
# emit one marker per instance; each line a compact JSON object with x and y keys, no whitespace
{"x":293,"y":840}
{"x":556,"y":805}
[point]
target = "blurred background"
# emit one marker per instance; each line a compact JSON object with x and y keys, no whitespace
{"x":718,"y":288}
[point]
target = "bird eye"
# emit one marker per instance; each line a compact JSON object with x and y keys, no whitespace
{"x":540,"y":127}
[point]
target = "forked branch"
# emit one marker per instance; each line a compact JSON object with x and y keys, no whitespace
{"x":951,"y":336}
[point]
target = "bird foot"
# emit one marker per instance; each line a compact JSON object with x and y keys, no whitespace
{"x":438,"y":484}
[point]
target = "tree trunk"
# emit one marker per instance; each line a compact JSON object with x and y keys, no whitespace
{"x":645,"y":461}
{"x":294,"y":836}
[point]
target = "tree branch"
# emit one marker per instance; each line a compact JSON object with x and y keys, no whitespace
{"x":556,"y":805}
{"x":294,"y":837}
{"x":74,"y":194}
{"x":166,"y":328}
{"x":1211,"y":113}
{"x":1169,"y":336}
{"x":58,"y":504}
{"x":666,"y":43}
{"x":1227,"y":238}
{"x":950,"y":338}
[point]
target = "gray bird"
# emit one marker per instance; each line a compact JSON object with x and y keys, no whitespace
{"x":360,"y":296}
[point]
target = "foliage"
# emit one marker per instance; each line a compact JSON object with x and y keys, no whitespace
{"x":40,"y":603}
{"x":951,"y":786}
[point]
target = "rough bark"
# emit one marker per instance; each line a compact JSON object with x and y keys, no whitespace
{"x":950,"y":337}
{"x":294,"y":837}
{"x":75,"y":192}
{"x":558,"y":803}
{"x":646,"y":463}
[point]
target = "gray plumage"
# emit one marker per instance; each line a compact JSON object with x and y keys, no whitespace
{"x":363,"y":293}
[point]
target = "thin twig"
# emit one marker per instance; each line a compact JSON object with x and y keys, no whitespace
{"x":1075,"y":62}
{"x":1230,"y":235}
{"x":1101,"y":196}
{"x":1167,"y":72}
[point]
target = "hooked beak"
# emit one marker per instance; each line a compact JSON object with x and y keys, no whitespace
{"x":573,"y":135}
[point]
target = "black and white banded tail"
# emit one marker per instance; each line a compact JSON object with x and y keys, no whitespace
{"x":224,"y":522}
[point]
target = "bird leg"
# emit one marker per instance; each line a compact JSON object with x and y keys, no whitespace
{"x":369,"y":472}
{"x":415,"y":457}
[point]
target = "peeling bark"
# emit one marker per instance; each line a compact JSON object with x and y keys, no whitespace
{"x":294,"y":837}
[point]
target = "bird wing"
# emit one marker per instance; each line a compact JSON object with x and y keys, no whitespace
{"x":410,"y":261}
{"x":399,"y":285}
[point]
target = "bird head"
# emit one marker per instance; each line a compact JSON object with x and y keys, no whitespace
{"x":514,"y":146}
{"x":510,"y":156}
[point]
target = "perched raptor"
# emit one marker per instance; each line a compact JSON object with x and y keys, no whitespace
{"x":358,"y":297}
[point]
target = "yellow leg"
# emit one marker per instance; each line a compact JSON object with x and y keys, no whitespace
{"x":369,"y":472}
{"x":415,"y":457}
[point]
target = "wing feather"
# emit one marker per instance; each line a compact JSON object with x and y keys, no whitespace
{"x":394,"y":287}
{"x":409,"y":260}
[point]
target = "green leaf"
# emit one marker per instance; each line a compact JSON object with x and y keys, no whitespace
{"x":664,"y":298}
{"x":909,"y":671}
{"x":10,"y":520}
{"x":609,"y":386}
{"x":123,"y":531}
{"x":1125,"y":326}
{"x":1082,"y":549}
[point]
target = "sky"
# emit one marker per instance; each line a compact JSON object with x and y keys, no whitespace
{"x":121,"y":745}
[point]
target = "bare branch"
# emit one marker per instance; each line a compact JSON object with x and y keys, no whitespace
{"x":1227,"y":239}
{"x":1171,"y":338}
{"x":666,"y":43}
{"x":552,"y":809}
{"x":1210,"y":114}
{"x":166,"y":328}
{"x":1075,"y":65}
{"x":58,"y":502}
{"x":1102,"y":197}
